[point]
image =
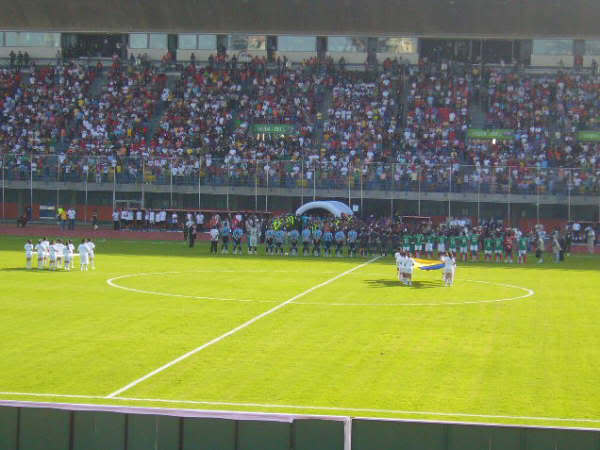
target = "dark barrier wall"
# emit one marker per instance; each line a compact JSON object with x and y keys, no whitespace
{"x":69,"y":428}
{"x":531,"y":18}
{"x":35,"y":428}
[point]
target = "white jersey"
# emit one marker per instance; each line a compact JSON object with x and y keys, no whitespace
{"x":398,"y":258}
{"x":409,"y":265}
{"x":83,"y":250}
{"x":59,"y":249}
{"x":52,"y":250}
{"x":90,"y":246}
{"x":449,"y":263}
{"x":214,"y":234}
{"x":39,"y":248}
{"x":28,"y":250}
{"x":46,"y":246}
{"x":67,"y":253}
{"x":71,"y":249}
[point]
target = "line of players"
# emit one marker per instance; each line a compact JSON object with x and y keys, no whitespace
{"x":340,"y":242}
{"x":56,"y":254}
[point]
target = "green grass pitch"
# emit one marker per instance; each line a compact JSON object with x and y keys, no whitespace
{"x":506,"y":344}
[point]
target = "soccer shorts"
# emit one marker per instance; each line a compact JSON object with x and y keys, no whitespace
{"x":474,"y":248}
{"x":428,"y":247}
{"x":441,"y":248}
{"x":83,"y":259}
{"x":463,"y":249}
{"x":418,"y":248}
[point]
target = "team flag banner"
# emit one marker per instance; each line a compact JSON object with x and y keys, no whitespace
{"x":428,"y":264}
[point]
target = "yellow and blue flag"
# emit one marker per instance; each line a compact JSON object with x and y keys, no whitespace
{"x":428,"y":264}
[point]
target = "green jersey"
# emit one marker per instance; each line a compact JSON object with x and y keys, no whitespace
{"x":441,"y":239}
{"x":463,"y":241}
{"x":429,"y":239}
{"x":452,"y":243}
{"x":498,"y":243}
{"x":474,"y":239}
{"x":523,"y":243}
{"x":488,"y":244}
{"x":406,"y":240}
{"x":419,"y":239}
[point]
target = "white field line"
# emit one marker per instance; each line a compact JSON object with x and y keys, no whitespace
{"x":111,"y":282}
{"x":238,"y":328}
{"x":529,"y":293}
{"x":315,"y":408}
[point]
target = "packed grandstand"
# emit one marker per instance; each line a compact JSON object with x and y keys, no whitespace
{"x":392,"y":125}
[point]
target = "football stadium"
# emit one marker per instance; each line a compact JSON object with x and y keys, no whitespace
{"x":300,"y":225}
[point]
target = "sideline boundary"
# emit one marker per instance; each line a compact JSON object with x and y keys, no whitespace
{"x":316,"y":408}
{"x":238,"y":328}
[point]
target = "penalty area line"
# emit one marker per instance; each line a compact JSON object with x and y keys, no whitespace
{"x":236,"y":329}
{"x":315,"y":408}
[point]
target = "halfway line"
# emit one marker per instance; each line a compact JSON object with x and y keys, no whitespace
{"x":236,"y":329}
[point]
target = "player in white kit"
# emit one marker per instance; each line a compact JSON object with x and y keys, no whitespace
{"x":399,"y":262}
{"x":83,"y":255}
{"x":91,"y":253}
{"x":39,"y":248}
{"x":28,"y":254}
{"x":67,"y":256}
{"x":52,"y":253}
{"x":71,"y":252}
{"x":46,"y":247}
{"x":409,"y":266}
{"x":449,"y":268}
{"x":59,"y":249}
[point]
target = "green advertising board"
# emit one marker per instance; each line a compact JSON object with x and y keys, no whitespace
{"x":588,"y":136}
{"x":479,"y":133}
{"x":264,"y":128}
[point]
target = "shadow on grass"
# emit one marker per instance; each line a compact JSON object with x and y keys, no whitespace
{"x":417,"y":284}
{"x":34,"y":270}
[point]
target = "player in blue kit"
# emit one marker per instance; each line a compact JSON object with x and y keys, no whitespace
{"x":269,"y":244}
{"x":340,"y":240}
{"x":352,"y":237}
{"x":327,"y":240}
{"x":279,"y":241}
{"x":306,"y":238}
{"x":317,"y":234}
{"x":294,"y":236}
{"x":225,"y":234}
{"x":238,"y":233}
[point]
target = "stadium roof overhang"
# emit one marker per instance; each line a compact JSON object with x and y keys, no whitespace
{"x":468,"y":18}
{"x":334,"y":207}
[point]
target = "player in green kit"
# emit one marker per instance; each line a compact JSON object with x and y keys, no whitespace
{"x":441,"y":245}
{"x":452,"y":244}
{"x":429,"y":240}
{"x":463,"y":241}
{"x":498,"y":248}
{"x":523,"y":242}
{"x":474,"y":238}
{"x":406,"y":242}
{"x":488,"y":248}
{"x":419,"y":238}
